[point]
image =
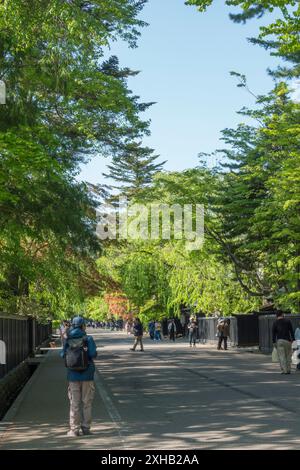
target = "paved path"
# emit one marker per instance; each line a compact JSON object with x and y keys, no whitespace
{"x":170,"y":397}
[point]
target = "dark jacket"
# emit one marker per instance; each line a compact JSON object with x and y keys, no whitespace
{"x":283,"y":329}
{"x":223,"y":329}
{"x":137,"y":329}
{"x":226,"y":330}
{"x":88,"y":374}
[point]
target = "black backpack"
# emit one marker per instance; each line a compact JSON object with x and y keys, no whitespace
{"x":76,"y":357}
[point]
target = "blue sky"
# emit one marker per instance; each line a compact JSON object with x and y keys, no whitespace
{"x":185,"y":58}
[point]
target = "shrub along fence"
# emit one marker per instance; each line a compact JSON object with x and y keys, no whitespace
{"x":19,"y":338}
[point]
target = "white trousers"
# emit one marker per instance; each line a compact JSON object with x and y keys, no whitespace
{"x":81,"y":395}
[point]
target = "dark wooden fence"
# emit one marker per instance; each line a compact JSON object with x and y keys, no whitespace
{"x":21,"y":336}
{"x":265,"y":330}
{"x":207,"y":330}
{"x":244,"y":329}
{"x":253,"y":329}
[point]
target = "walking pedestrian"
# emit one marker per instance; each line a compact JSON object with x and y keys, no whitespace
{"x":129,"y":327}
{"x":172,"y":330}
{"x":283,"y":336}
{"x":151,"y":329}
{"x":138,"y":334}
{"x":296,"y":353}
{"x":64,"y":329}
{"x":79,"y":351}
{"x":223,"y":328}
{"x":192,"y":328}
{"x":157,"y":331}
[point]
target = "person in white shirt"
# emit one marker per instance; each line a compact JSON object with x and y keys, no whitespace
{"x":297,"y":339}
{"x":2,"y":353}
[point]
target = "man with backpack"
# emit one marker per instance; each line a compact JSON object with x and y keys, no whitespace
{"x":79,"y":351}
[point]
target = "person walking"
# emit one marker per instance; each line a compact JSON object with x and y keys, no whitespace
{"x":297,"y":352}
{"x":192,"y":328}
{"x":138,"y":334}
{"x":151,"y":329}
{"x":79,"y":351}
{"x":283,"y":336}
{"x":172,"y":330}
{"x":157,"y":331}
{"x":223,"y":328}
{"x":64,"y":329}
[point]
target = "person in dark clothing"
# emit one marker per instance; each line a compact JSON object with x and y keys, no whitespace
{"x":223,"y":328}
{"x":138,"y":334}
{"x":192,"y":327}
{"x":283,"y":336}
{"x":172,"y":330}
{"x":151,"y":329}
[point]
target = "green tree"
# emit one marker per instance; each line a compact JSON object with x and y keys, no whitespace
{"x":65,"y":103}
{"x":260,"y":219}
{"x":133,"y":169}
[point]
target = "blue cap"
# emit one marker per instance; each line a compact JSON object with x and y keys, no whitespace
{"x":78,"y":321}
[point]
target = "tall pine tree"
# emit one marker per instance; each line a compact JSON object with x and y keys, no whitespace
{"x":133,"y":169}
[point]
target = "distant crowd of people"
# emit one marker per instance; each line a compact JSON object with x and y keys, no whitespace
{"x":171,"y":332}
{"x":285,"y":340}
{"x":155,"y":329}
